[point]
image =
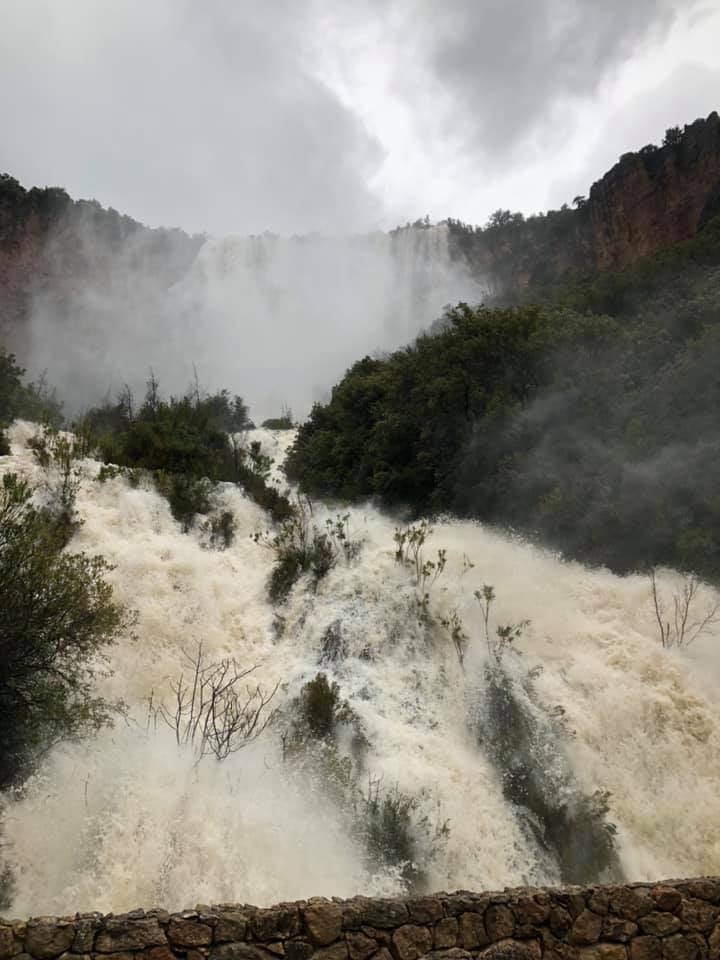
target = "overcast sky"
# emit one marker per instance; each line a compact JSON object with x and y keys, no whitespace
{"x":237,"y":116}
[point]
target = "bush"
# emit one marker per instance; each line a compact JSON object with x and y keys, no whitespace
{"x":58,"y":618}
{"x":188,"y":444}
{"x":33,"y":401}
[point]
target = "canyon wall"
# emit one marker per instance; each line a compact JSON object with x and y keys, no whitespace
{"x":654,"y":198}
{"x":673,"y":920}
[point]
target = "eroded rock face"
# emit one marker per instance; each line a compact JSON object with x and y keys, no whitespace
{"x":677,"y":920}
{"x":654,"y":198}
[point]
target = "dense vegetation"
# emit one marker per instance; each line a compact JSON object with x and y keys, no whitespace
{"x":587,"y":420}
{"x":57,"y":616}
{"x":18,"y":400}
{"x":188,"y":444}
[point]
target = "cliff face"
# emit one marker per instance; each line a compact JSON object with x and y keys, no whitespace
{"x":52,"y":248}
{"x":657,"y":197}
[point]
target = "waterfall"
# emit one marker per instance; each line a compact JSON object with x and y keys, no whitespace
{"x":276,"y":319}
{"x":129,"y":818}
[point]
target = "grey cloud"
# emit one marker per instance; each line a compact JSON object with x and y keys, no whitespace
{"x":203,"y":116}
{"x":508,"y":67}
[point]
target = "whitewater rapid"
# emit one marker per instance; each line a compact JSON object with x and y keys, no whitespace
{"x":128,"y":818}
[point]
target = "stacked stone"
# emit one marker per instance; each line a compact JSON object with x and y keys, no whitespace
{"x":674,"y":920}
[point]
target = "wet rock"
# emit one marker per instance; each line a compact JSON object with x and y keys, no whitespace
{"x":85,"y":930}
{"x":560,"y":921}
{"x":188,"y":933}
{"x":604,"y":951}
{"x":47,"y":937}
{"x":678,"y":947}
{"x":630,"y":904}
{"x":410,"y":942}
{"x":667,"y":898}
{"x":704,"y":888}
{"x":424,"y":910}
{"x":714,"y":944}
{"x":454,"y":953}
{"x":586,"y":928}
{"x":599,"y":902}
{"x":298,"y":950}
{"x":324,"y":920}
{"x":499,"y":922}
{"x":159,"y":953}
{"x":659,"y":924}
{"x":615,"y":928}
{"x":472,"y":931}
{"x":646,"y":948}
{"x":445,"y":934}
{"x":512,"y":950}
{"x":528,"y":910}
{"x":120,"y":933}
{"x":230,"y":926}
{"x":9,"y":947}
{"x":360,"y":946}
{"x":384,"y":913}
{"x":338,"y":951}
{"x":276,"y":923}
{"x":698,"y":915}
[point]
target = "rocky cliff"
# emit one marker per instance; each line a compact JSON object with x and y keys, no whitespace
{"x":656,"y":197}
{"x":674,"y":920}
{"x":53,"y":248}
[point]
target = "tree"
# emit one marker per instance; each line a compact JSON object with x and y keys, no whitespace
{"x":672,"y":136}
{"x":58,"y":616}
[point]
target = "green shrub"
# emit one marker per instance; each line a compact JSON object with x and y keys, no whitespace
{"x":58,"y":618}
{"x":221,"y":527}
{"x":5,"y":449}
{"x":186,"y":495}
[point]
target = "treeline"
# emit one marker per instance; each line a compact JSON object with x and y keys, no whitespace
{"x":587,"y":421}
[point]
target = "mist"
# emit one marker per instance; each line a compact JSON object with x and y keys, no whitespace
{"x":277,"y":320}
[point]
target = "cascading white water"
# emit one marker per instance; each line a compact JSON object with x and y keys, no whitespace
{"x":130,"y":819}
{"x":278,"y":319}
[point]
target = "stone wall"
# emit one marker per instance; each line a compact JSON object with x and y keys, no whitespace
{"x":674,"y":920}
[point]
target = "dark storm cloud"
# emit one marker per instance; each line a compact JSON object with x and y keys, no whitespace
{"x":505,"y":69}
{"x":203,"y":115}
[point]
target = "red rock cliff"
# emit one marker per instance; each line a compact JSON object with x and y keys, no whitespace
{"x":656,"y":197}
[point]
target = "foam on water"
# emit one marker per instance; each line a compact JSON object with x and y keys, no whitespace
{"x":130,"y":818}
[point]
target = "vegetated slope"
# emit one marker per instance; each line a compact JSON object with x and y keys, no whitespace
{"x":587,"y":419}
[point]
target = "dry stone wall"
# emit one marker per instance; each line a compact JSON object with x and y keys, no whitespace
{"x":673,"y":920}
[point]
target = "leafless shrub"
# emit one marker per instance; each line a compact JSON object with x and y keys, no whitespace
{"x":213,"y":710}
{"x":681,"y":627}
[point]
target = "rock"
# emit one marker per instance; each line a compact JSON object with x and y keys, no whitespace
{"x":465,"y":902}
{"x":324,"y":920}
{"x":667,"y":898}
{"x":560,"y":921}
{"x":499,"y":922}
{"x":237,"y":951}
{"x":572,"y":901}
{"x":714,"y":944}
{"x":360,"y":946}
{"x":188,"y":933}
{"x":276,"y":923}
{"x":8,"y":945}
{"x":630,"y":904}
{"x":384,"y":913}
{"x":704,"y":888}
{"x":678,"y":947}
{"x":646,"y":948}
{"x":230,"y":926}
{"x":472,"y":931}
{"x":698,"y":915}
{"x":604,"y":951}
{"x":528,"y":910}
{"x":615,"y":928}
{"x":47,"y":937}
{"x":599,"y":902}
{"x":410,"y":942}
{"x":425,"y":910}
{"x":119,"y":934}
{"x":298,"y":950}
{"x":338,"y":951}
{"x":454,"y":953}
{"x":445,"y":934}
{"x":159,"y":953}
{"x":554,"y":949}
{"x":659,"y":924}
{"x":85,"y":930}
{"x":586,"y":928}
{"x":512,"y":950}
